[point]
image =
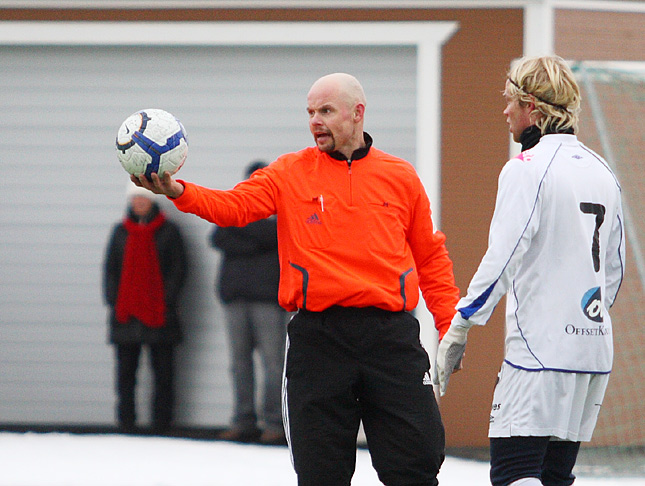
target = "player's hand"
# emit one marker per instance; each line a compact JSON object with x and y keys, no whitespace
{"x":165,"y":184}
{"x":451,"y":351}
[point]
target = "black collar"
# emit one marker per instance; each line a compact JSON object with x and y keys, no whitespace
{"x":358,"y":153}
{"x":531,"y":136}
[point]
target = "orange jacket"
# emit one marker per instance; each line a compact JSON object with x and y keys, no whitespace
{"x":352,"y":235}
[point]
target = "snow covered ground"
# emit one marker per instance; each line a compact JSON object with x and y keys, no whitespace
{"x":60,"y":459}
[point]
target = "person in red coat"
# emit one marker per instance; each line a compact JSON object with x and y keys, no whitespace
{"x":144,"y":272}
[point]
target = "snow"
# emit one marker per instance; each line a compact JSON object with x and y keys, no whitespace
{"x":61,"y":459}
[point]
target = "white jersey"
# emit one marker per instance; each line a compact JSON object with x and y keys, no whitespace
{"x":556,"y":246}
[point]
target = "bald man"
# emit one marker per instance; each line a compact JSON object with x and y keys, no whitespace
{"x":356,"y":244}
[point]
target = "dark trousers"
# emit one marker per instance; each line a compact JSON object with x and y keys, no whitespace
{"x":345,"y":365}
{"x":161,"y":358}
{"x":514,"y":458}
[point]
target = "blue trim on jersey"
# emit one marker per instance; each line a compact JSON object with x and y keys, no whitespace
{"x":622,"y":265}
{"x":559,"y":370}
{"x":519,"y":328}
{"x":478,"y":303}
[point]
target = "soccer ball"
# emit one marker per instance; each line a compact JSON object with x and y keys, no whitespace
{"x":150,"y":141}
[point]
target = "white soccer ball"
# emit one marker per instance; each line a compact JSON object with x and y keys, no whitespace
{"x":150,"y":141}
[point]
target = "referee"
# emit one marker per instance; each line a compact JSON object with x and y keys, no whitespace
{"x":356,"y":243}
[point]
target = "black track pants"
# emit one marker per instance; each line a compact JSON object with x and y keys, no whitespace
{"x":345,"y":365}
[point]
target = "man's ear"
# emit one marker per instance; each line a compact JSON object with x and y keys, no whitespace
{"x":533,"y":114}
{"x":531,"y":104}
{"x":359,"y":112}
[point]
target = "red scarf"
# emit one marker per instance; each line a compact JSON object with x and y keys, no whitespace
{"x":141,"y":292}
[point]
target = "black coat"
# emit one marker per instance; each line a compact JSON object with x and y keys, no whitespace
{"x":250,"y":270}
{"x":173,"y":263}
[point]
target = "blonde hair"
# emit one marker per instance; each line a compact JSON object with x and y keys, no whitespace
{"x":549,"y":83}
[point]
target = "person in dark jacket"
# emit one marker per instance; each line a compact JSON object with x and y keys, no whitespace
{"x":144,"y":272}
{"x":248,"y":288}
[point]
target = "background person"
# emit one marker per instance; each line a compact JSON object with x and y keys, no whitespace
{"x":556,"y":245}
{"x":144,"y":272}
{"x":248,"y":287}
{"x":356,"y":241}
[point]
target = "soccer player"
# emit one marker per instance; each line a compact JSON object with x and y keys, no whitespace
{"x":556,"y":248}
{"x":356,"y":242}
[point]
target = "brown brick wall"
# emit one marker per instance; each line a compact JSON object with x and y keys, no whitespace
{"x":600,"y":36}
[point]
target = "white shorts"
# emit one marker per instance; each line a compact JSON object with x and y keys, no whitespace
{"x":546,"y":404}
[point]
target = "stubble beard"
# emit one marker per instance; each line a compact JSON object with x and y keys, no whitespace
{"x":328,"y":147}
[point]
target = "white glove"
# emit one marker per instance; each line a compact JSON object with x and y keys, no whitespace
{"x":451,"y":350}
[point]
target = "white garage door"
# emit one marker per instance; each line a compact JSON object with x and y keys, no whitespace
{"x":63,"y":189}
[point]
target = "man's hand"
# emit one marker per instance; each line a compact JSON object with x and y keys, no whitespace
{"x":450,"y":352}
{"x":165,"y":185}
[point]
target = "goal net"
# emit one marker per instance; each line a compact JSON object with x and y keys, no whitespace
{"x":612,"y":123}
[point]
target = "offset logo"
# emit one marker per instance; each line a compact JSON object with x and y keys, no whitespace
{"x":592,"y":304}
